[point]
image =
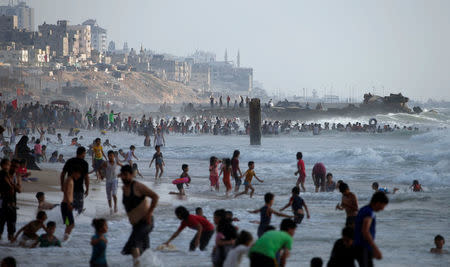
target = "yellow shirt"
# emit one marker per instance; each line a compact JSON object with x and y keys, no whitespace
{"x":249,"y":175}
{"x":98,"y":152}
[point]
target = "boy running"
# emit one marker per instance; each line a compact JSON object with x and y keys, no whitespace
{"x":249,"y":174}
{"x":111,"y":179}
{"x":97,"y":159}
{"x":266,"y":213}
{"x":297,"y":203}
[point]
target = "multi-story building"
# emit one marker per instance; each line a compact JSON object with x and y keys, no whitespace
{"x":98,"y":36}
{"x":14,"y":57}
{"x":24,"y":13}
{"x":226,"y":77}
{"x":172,"y":70}
{"x":201,"y":77}
{"x":8,"y":23}
{"x":55,"y":36}
{"x":83,"y":32}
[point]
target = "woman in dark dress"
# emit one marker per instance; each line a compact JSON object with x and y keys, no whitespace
{"x":22,"y":151}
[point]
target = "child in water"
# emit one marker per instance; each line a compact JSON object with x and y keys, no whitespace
{"x":159,"y":162}
{"x":416,"y":187}
{"x":44,"y":205}
{"x":226,"y":170}
{"x":180,"y":186}
{"x":249,"y":174}
{"x":297,"y":203}
{"x":439,"y":241}
{"x":30,"y":229}
{"x":243,"y":244}
{"x":48,"y":239}
{"x":136,"y":170}
{"x":130,"y":155}
{"x":377,"y":188}
{"x":99,"y":242}
{"x":214,"y":173}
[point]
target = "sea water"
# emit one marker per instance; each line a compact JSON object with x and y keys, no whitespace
{"x":405,"y":229}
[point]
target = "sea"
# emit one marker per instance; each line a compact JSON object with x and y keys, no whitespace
{"x":405,"y":229}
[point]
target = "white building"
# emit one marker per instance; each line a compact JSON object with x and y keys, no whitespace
{"x":84,"y":32}
{"x":14,"y":57}
{"x":98,"y":36}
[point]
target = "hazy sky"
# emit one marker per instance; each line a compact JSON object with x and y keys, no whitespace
{"x":333,"y":46}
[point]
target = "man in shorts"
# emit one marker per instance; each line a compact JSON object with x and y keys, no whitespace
{"x":319,"y":173}
{"x":139,"y":212}
{"x":66,"y":204}
{"x":78,"y":191}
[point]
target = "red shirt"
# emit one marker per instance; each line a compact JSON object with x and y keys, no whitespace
{"x":194,"y":220}
{"x":301,"y":166}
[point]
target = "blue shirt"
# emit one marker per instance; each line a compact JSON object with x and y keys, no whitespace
{"x":363,"y":213}
{"x":98,"y":251}
{"x":297,"y":203}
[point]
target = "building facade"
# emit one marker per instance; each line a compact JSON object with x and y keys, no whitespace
{"x":24,"y":13}
{"x":98,"y":36}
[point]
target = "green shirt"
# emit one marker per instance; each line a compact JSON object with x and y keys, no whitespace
{"x":272,"y":242}
{"x":46,"y":242}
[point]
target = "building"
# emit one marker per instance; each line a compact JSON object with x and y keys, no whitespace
{"x":172,"y":70}
{"x":82,"y":33}
{"x":14,"y":57}
{"x":226,"y":77}
{"x":24,"y":13}
{"x":54,"y":36}
{"x":98,"y":36}
{"x":8,"y":23}
{"x":201,"y":77}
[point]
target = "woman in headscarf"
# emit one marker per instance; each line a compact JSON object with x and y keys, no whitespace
{"x":22,"y":151}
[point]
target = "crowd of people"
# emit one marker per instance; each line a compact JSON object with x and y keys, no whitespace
{"x":271,"y":247}
{"x":35,"y":117}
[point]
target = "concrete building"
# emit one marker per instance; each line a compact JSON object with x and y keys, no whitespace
{"x":172,"y":70}
{"x":201,"y":77}
{"x":226,"y":77}
{"x":82,"y":33}
{"x":98,"y":36}
{"x":24,"y":13}
{"x":55,"y":36}
{"x":8,"y":23}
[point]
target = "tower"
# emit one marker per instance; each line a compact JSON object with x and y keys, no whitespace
{"x":238,"y":60}
{"x":226,"y":56}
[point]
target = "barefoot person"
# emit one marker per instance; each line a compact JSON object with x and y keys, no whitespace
{"x":301,"y":171}
{"x":364,"y":243}
{"x":78,"y":191}
{"x":318,"y":174}
{"x":139,"y":212}
{"x":297,"y":204}
{"x":111,"y":180}
{"x":74,"y":174}
{"x":205,"y":229}
{"x":159,"y":162}
{"x":249,"y":174}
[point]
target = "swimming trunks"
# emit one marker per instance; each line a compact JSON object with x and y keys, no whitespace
{"x":66,"y":214}
{"x":139,"y":238}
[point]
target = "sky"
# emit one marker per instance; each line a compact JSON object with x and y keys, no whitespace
{"x":344,"y":47}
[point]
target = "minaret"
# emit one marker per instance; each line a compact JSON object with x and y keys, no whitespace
{"x":226,"y":55}
{"x":238,"y":60}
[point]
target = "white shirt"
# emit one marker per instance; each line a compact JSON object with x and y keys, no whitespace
{"x":235,"y":255}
